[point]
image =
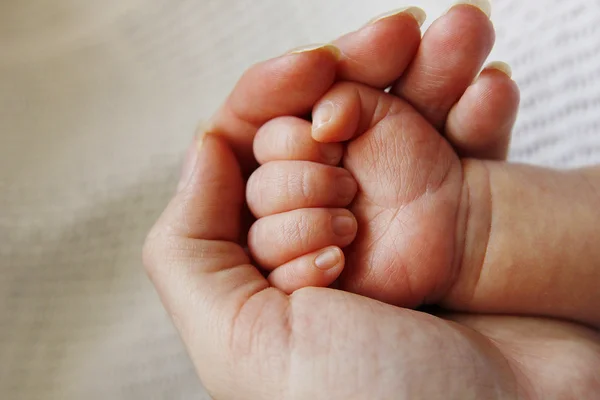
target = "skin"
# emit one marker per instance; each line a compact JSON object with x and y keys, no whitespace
{"x":281,"y":194}
{"x":472,"y":235}
{"x":247,"y":337}
{"x":244,"y":336}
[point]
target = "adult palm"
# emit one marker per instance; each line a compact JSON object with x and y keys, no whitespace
{"x":251,"y":341}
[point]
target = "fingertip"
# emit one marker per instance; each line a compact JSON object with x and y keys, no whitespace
{"x":330,"y":258}
{"x":379,"y":52}
{"x":337,"y":115}
{"x":326,"y":48}
{"x":278,"y":238}
{"x":480,"y":124}
{"x":344,"y":226}
{"x":318,"y":269}
{"x":495,"y":94}
{"x":451,"y":54}
{"x":495,"y":83}
{"x":323,"y":113}
{"x":483,"y":6}
{"x":331,"y":153}
{"x":416,"y":13}
{"x":499,"y":66}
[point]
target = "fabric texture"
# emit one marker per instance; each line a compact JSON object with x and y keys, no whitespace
{"x":98,"y":101}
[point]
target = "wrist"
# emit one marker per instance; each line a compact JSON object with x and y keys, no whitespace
{"x":530,"y":242}
{"x":474,"y":228}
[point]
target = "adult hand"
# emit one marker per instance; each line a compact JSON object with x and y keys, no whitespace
{"x":251,"y":341}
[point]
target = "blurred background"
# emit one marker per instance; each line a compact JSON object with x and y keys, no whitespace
{"x":98,"y":101}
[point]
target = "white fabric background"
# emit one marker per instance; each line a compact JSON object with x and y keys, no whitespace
{"x":98,"y":101}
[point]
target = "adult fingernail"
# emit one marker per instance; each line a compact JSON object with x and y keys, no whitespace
{"x":322,"y":115}
{"x":484,"y":5}
{"x":191,"y":158}
{"x":500,"y":66}
{"x":346,"y":188}
{"x":317,"y":47}
{"x":417,"y":13}
{"x":343,"y":226}
{"x":329,"y":258}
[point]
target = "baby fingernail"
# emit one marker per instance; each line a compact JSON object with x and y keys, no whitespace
{"x":316,"y":47}
{"x":484,"y":5}
{"x":346,"y":188}
{"x":343,"y":226}
{"x":500,"y":66}
{"x":331,"y":153}
{"x":322,"y":115}
{"x":417,"y":13}
{"x":328,"y":259}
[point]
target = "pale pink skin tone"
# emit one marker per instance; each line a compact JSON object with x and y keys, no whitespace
{"x":473,"y":235}
{"x":250,"y":340}
{"x":478,"y":118}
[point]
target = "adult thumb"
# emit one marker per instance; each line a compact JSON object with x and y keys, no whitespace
{"x":202,"y":275}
